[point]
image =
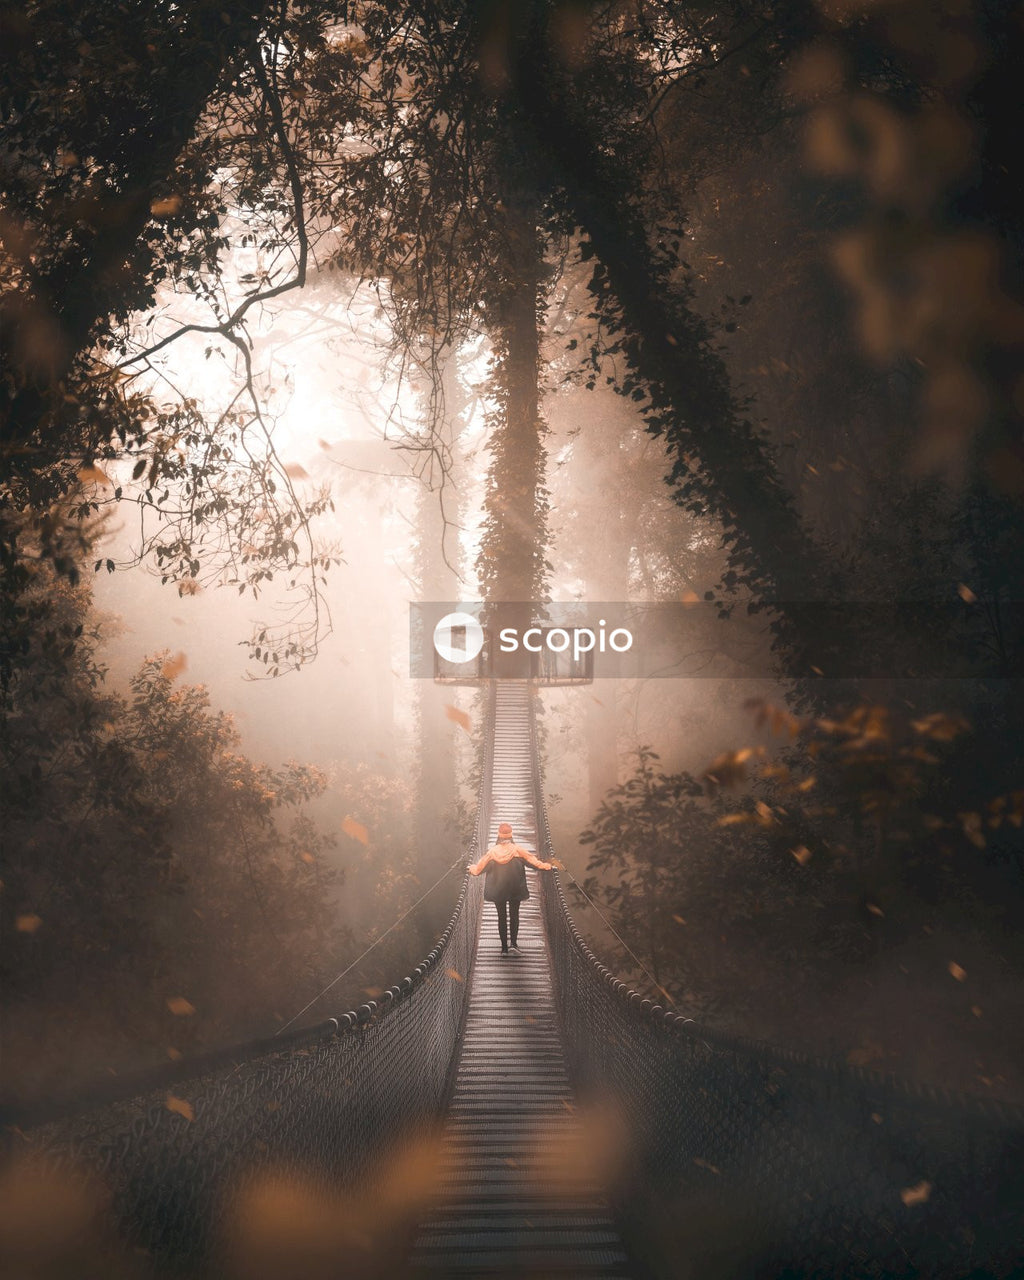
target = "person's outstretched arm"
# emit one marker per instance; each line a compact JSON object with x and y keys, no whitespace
{"x":477,"y":867}
{"x":533,"y":860}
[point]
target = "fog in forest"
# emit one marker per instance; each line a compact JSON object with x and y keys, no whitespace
{"x":317,"y":318}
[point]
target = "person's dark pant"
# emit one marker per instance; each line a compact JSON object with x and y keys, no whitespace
{"x":511,"y":923}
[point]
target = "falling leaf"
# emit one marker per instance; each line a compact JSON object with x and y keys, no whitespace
{"x":731,"y":819}
{"x":295,"y":471}
{"x":916,"y":1195}
{"x":323,"y":444}
{"x":869,"y":1051}
{"x":460,"y":717}
{"x":180,"y":1107}
{"x":93,"y":475}
{"x":764,"y":812}
{"x":454,"y":973}
{"x":27,"y":923}
{"x":173,"y":667}
{"x":976,"y":1010}
{"x":690,"y":597}
{"x":173,"y":1054}
{"x":307,"y":857}
{"x":956,"y":971}
{"x":802,"y":854}
{"x":166,"y":207}
{"x":679,"y":920}
{"x":706,"y":1164}
{"x":966,"y":594}
{"x":180,"y":1007}
{"x":356,"y":830}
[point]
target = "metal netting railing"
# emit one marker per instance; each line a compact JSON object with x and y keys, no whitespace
{"x":746,"y":1160}
{"x":327,"y":1105}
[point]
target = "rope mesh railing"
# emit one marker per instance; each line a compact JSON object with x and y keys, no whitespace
{"x":746,"y":1160}
{"x":328,"y":1103}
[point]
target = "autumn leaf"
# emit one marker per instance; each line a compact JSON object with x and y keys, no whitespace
{"x":454,"y":973}
{"x":295,"y":471}
{"x":27,"y":923}
{"x":93,"y":475}
{"x":166,"y":207}
{"x":916,"y":1195}
{"x":956,"y":971}
{"x":460,"y":717}
{"x":180,"y":1007}
{"x":174,"y":666}
{"x":869,"y":1051}
{"x":180,"y":1107}
{"x":356,"y":830}
{"x":966,"y":594}
{"x":802,"y":854}
{"x":690,"y":597}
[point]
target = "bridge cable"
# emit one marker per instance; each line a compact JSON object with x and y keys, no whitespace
{"x":460,"y":860}
{"x":656,"y":985}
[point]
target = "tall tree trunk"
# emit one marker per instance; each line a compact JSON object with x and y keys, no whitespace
{"x":721,"y":465}
{"x":512,"y":562}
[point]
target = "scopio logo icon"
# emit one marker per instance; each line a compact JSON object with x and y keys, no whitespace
{"x":458,"y":637}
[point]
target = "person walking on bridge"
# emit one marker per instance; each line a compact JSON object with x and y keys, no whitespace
{"x":506,"y":885}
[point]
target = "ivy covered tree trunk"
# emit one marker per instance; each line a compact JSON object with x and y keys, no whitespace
{"x":512,"y":562}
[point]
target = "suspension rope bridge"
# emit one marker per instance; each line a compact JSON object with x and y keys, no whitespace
{"x":583,"y":1130}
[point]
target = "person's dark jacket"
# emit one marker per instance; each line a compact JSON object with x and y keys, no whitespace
{"x":506,"y":880}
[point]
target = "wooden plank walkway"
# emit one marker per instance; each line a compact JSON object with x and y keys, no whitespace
{"x":513,"y":1201}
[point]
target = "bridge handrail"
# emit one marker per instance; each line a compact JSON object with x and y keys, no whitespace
{"x":798,"y":1165}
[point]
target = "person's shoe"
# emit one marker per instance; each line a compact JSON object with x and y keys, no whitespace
{"x":504,"y":952}
{"x":514,"y":950}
